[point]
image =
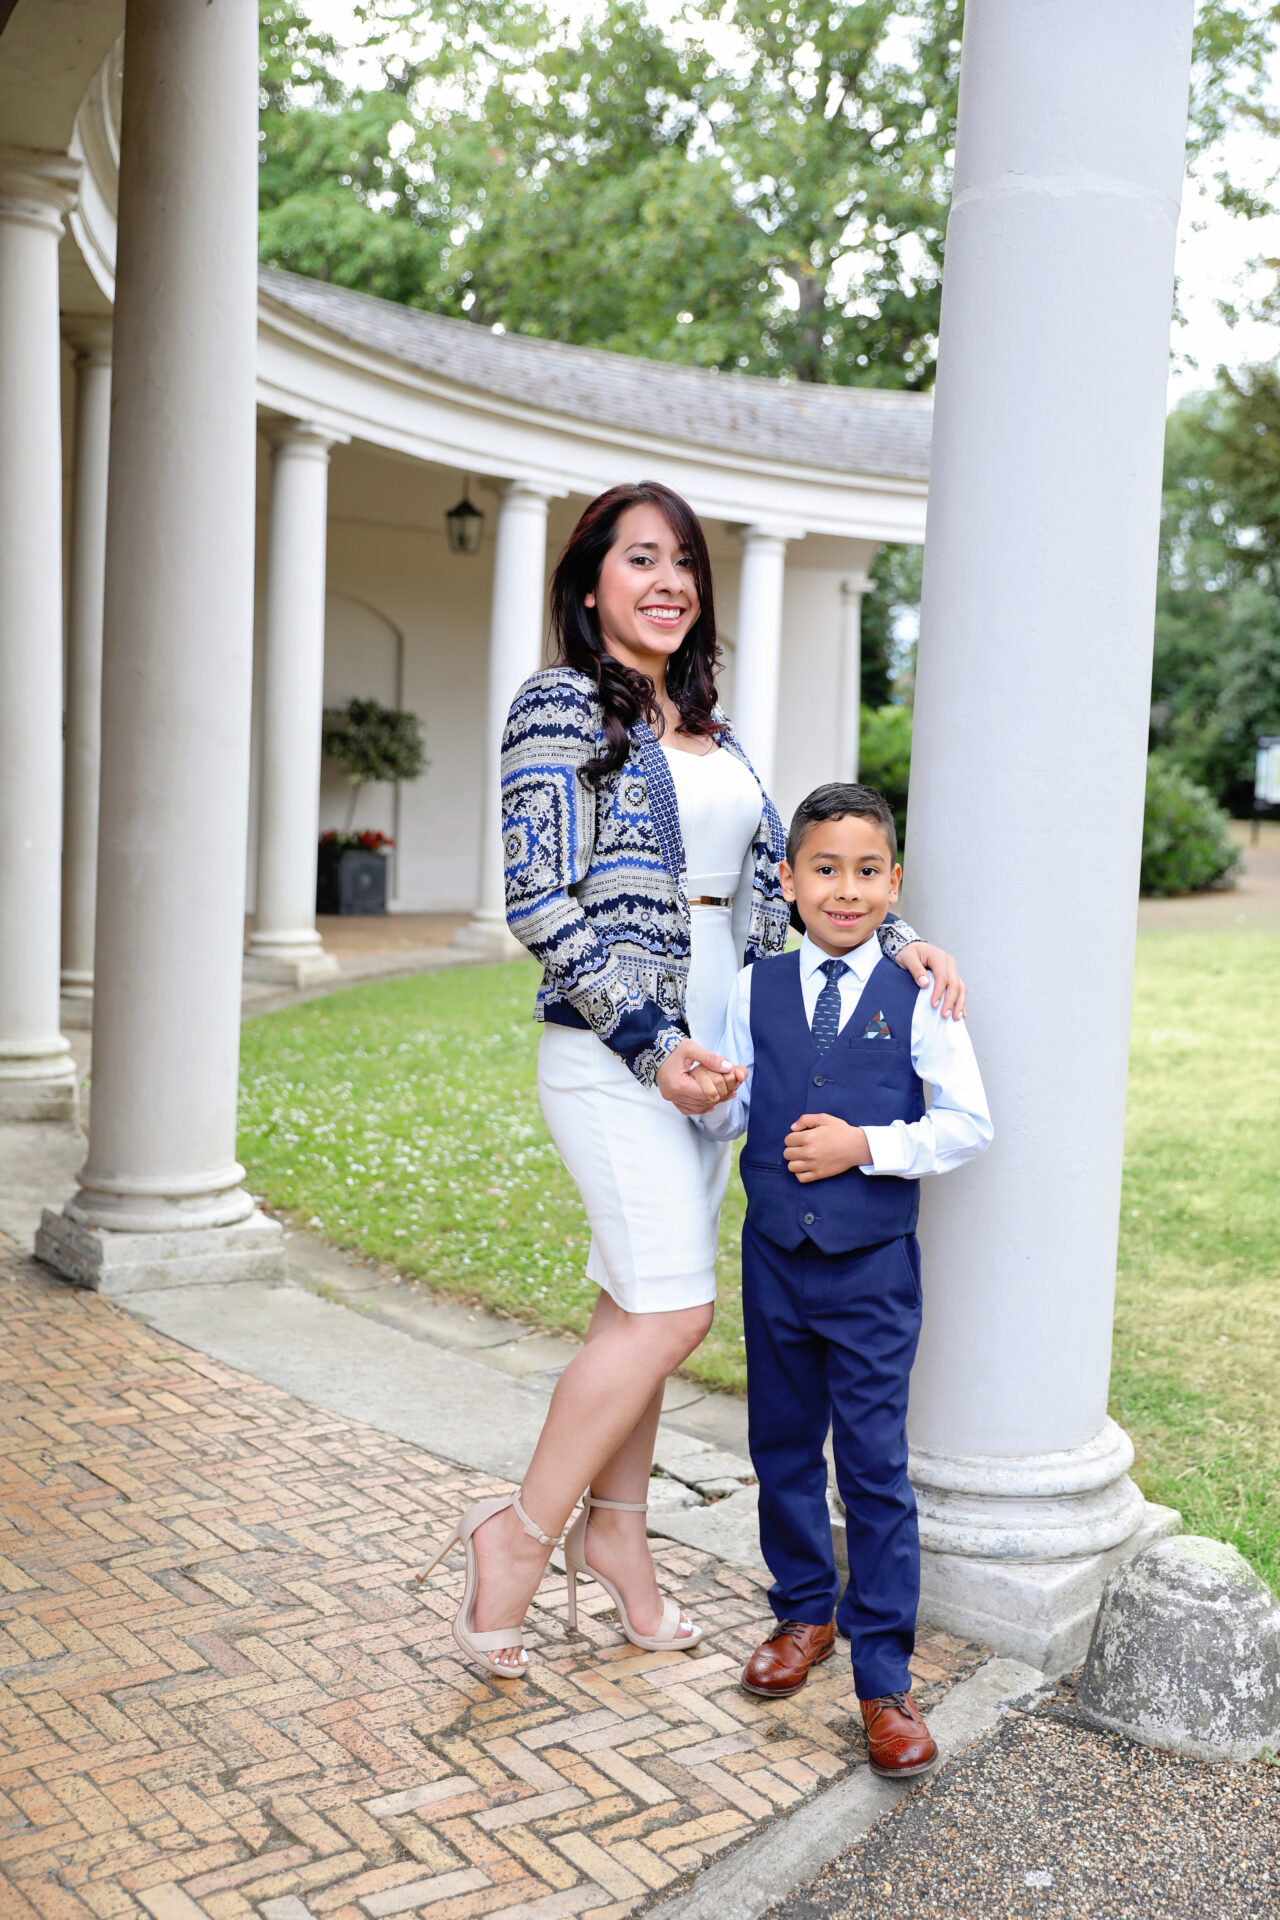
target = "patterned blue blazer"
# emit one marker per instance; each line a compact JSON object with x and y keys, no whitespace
{"x":595,"y":877}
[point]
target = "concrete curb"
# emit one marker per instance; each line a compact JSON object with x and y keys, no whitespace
{"x":762,"y":1871}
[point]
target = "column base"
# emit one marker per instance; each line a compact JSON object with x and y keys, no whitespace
{"x":118,"y":1263}
{"x":289,"y":966}
{"x":77,"y":1000}
{"x":50,"y":1090}
{"x":1041,"y":1612}
{"x":488,"y":937}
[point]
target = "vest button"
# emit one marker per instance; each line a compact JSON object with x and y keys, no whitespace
{"x":819,"y":1079}
{"x":809,"y":1219}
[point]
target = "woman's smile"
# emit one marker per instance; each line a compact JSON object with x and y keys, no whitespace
{"x":664,"y":616}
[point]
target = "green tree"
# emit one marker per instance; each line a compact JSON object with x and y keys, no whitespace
{"x":1216,"y":681}
{"x":776,"y":204}
{"x":372,"y":742}
{"x":888,"y":661}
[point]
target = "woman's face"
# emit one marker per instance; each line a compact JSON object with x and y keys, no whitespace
{"x":646,"y":598}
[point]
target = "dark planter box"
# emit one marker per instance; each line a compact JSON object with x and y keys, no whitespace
{"x":352,"y":881}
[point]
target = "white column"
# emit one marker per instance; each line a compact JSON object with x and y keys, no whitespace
{"x":852,"y":589}
{"x":1027,"y":785}
{"x":757,"y":654}
{"x":517,"y":625}
{"x":37,"y":1073}
{"x":284,"y":944}
{"x":91,"y":339}
{"x":160,"y":1198}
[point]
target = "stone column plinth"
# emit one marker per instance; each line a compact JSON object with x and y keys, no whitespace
{"x":37,"y":1073}
{"x":517,"y":625}
{"x":852,"y":590}
{"x":91,"y":339}
{"x":284,"y":944}
{"x":1027,"y":774}
{"x":758,"y":648}
{"x":160,"y":1199}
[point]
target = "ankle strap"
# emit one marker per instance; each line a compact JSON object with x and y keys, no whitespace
{"x":589,"y":1500}
{"x":530,"y":1526}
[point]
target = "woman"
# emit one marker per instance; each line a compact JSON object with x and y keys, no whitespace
{"x":641,"y":856}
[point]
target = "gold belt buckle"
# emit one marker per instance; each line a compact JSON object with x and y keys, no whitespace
{"x":711,"y":900}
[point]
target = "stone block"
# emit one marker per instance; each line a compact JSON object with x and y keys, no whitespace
{"x":1185,"y":1654}
{"x":712,"y":1470}
{"x":487,"y":938}
{"x":675,"y":1453}
{"x":285,"y":969}
{"x":670,"y":1496}
{"x":1040,"y":1611}
{"x":120,"y":1263}
{"x":56,"y":1097}
{"x":730,"y":1529}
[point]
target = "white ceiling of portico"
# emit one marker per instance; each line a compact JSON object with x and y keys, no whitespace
{"x":50,"y":51}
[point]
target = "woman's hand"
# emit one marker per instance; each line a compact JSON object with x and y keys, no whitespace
{"x":694,"y":1080}
{"x":921,"y":960}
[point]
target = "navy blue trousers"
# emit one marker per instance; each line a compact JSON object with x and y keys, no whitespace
{"x":830,"y":1341}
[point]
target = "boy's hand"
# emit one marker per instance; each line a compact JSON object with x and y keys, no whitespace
{"x":820,"y":1145}
{"x":695,"y":1080}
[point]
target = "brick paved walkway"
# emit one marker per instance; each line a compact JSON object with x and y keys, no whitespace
{"x":226,"y":1692}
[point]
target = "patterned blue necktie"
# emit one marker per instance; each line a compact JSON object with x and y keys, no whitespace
{"x":826,"y":1015}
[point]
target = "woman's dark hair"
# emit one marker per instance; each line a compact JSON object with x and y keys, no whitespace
{"x":625,"y":695}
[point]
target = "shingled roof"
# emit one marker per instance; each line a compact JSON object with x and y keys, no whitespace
{"x":853,"y":430}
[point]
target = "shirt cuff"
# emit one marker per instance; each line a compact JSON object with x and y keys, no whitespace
{"x":890,"y":1153}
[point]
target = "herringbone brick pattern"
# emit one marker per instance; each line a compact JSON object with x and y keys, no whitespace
{"x":227,"y":1692}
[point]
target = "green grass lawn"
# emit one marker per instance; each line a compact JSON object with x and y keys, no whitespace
{"x":1196,"y":1374}
{"x":401,"y":1119}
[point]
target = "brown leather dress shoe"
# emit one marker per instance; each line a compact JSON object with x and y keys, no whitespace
{"x":780,"y":1665}
{"x":899,"y":1740}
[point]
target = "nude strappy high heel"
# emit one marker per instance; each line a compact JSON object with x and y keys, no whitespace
{"x":469,"y":1638}
{"x":668,"y":1637}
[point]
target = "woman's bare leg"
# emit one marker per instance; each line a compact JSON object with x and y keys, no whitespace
{"x":603,"y":1415}
{"x":618,"y":1543}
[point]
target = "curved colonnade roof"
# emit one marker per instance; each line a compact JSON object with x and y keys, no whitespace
{"x":850,"y":430}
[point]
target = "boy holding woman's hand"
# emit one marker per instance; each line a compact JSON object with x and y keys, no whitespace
{"x":839,"y":1045}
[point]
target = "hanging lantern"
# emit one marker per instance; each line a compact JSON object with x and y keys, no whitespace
{"x":464,"y":524}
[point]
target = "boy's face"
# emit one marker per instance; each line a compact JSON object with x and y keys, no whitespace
{"x":843,"y":883}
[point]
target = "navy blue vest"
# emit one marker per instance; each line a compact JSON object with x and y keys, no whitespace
{"x":868,"y":1082}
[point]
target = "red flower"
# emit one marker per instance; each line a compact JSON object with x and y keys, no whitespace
{"x":370,"y":841}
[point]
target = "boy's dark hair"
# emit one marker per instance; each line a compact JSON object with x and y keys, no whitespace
{"x":836,"y":801}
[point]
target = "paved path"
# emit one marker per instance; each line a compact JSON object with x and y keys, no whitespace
{"x":227,"y":1691}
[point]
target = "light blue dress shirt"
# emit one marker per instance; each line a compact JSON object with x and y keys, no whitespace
{"x":958,"y":1124}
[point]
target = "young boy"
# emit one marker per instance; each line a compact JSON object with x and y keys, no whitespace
{"x":839,"y":1045}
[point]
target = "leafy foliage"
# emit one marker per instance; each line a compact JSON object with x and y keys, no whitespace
{"x":372,"y":742}
{"x":1216,"y":683}
{"x":1185,"y":845}
{"x":884,"y":757}
{"x":761,"y":185}
{"x":888,"y":662}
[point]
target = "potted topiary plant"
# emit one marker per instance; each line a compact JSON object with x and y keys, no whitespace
{"x":369,"y":742}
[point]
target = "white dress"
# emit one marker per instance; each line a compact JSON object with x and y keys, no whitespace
{"x":651,"y":1183}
